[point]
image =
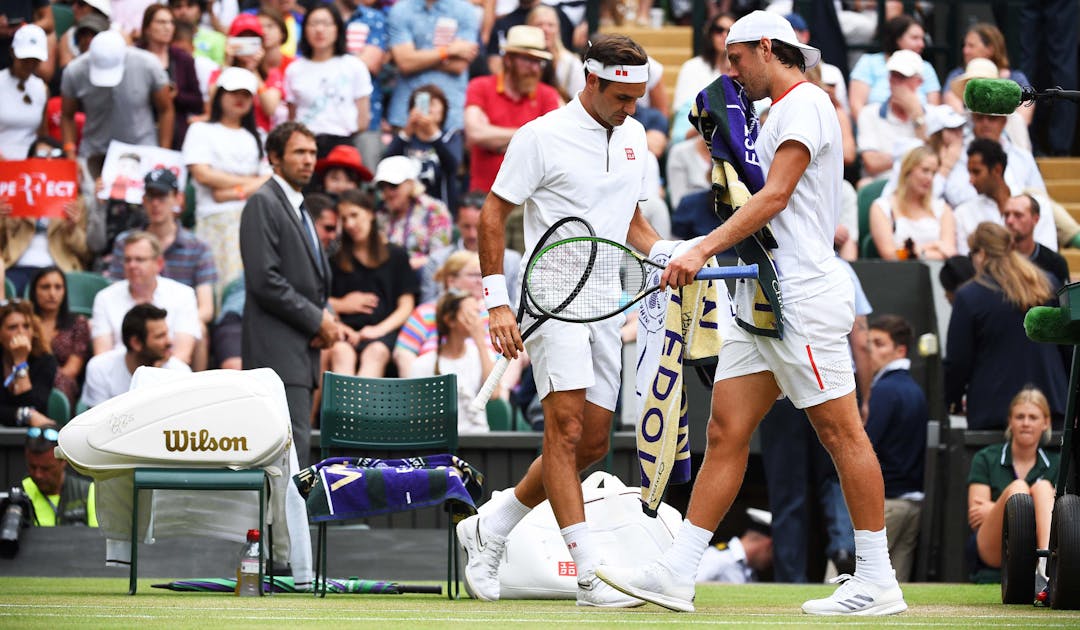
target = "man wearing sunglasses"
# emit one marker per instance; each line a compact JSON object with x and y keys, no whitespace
{"x":58,"y":498}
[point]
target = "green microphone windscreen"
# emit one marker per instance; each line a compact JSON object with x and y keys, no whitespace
{"x":1050,"y":325}
{"x":992,"y":96}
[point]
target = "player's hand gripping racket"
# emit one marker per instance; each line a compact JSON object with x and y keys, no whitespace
{"x":587,"y":279}
{"x":528,"y":317}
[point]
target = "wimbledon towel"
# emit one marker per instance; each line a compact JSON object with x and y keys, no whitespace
{"x":674,"y":328}
{"x":723,"y":114}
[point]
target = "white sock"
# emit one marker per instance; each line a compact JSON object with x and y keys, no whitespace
{"x":1041,"y":567}
{"x":872,"y":562}
{"x":684,"y":554}
{"x":585,"y":554}
{"x":506,"y":515}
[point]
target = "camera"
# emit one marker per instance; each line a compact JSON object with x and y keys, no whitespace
{"x":16,"y":509}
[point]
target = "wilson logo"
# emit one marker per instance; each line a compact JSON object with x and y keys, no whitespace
{"x":176,"y":441}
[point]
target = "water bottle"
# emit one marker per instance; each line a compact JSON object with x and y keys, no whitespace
{"x":247,"y":574}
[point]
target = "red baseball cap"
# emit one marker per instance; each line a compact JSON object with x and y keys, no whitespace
{"x":344,"y":156}
{"x":246,"y":22}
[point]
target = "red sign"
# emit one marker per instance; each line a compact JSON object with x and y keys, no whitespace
{"x":567,"y":568}
{"x":38,"y":187}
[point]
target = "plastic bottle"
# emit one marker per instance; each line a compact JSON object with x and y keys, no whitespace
{"x":247,"y":573}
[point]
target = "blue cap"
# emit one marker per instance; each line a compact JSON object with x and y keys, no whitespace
{"x":797,"y":22}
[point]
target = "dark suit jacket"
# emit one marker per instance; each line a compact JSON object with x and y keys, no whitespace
{"x":286,"y":282}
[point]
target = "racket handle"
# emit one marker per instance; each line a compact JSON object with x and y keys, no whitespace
{"x":484,"y":395}
{"x":722,"y":273}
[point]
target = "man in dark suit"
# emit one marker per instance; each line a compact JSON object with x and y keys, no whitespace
{"x":286,"y":279}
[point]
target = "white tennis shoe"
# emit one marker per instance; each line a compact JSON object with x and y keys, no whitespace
{"x":592,"y":591}
{"x":483,"y":553}
{"x":855,"y":597}
{"x":653,"y":583}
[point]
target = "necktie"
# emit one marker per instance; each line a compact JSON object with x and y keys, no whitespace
{"x":309,"y":226}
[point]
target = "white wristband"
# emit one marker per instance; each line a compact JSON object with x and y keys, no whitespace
{"x":495,"y":293}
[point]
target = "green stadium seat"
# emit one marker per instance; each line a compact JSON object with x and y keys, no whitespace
{"x":866,"y":196}
{"x":9,"y":289}
{"x":59,"y":409}
{"x":500,"y":416}
{"x":388,"y":416}
{"x":82,"y":286}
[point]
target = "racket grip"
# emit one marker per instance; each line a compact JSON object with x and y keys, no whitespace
{"x":484,"y":395}
{"x":722,"y":273}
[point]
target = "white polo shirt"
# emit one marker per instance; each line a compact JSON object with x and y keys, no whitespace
{"x":804,"y":230}
{"x":107,"y":375}
{"x":114,"y":301}
{"x":974,"y":211}
{"x":563,"y":164}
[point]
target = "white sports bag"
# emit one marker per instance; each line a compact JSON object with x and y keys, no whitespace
{"x":537,"y":564}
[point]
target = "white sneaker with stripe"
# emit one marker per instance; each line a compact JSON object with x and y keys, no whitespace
{"x":855,"y":597}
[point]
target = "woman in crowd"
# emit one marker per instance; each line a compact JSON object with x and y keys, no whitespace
{"x":462,"y":349}
{"x":698,"y":72}
{"x":28,"y":245}
{"x":911,"y":220}
{"x":410,"y":218}
{"x":341,"y":170}
{"x":270,"y":91}
{"x":985,"y":41}
{"x":988,"y":356}
{"x":1019,"y":466}
{"x":372,"y":289}
{"x":565,"y":73}
{"x":424,"y":141}
{"x":22,"y":118}
{"x":326,"y":88}
{"x":67,"y":333}
{"x":156,"y":38}
{"x":945,"y":135}
{"x":225,"y":158}
{"x":29,"y":370}
{"x":870,"y":77}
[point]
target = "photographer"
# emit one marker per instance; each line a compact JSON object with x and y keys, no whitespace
{"x":58,"y":498}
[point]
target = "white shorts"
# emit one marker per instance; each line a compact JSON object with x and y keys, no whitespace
{"x":569,"y":356}
{"x":812,"y":363}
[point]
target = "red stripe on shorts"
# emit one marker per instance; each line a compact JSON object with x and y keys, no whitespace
{"x":813,"y":366}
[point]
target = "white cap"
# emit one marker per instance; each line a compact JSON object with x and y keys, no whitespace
{"x":105,"y":6}
{"x":831,"y":75}
{"x":233,"y":79}
{"x":395,"y":169}
{"x":940,"y":117}
{"x":753,"y":26}
{"x":29,"y":43}
{"x":107,"y":52}
{"x":906,"y":62}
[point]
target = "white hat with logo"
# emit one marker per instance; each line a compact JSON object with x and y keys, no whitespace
{"x":757,"y":24}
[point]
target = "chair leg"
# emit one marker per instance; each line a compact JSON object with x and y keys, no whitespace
{"x":323,"y":535}
{"x":133,"y":569}
{"x":453,"y":581}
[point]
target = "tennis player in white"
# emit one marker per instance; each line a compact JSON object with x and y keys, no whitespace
{"x":800,"y":149}
{"x":584,"y":160}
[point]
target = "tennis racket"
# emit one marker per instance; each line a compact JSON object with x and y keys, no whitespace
{"x":528,"y":317}
{"x":587,"y":279}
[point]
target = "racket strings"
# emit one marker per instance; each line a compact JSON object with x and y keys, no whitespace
{"x":584,"y":279}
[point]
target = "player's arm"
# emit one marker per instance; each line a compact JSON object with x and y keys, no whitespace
{"x":502,"y":325}
{"x":792,"y":158}
{"x":641,"y":235}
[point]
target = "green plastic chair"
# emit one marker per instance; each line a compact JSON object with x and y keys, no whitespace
{"x":866,"y":196}
{"x":9,"y":289}
{"x":385,"y":416}
{"x":59,"y":407}
{"x":500,"y":416}
{"x":82,"y":286}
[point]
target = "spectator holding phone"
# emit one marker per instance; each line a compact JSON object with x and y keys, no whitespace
{"x":246,"y":48}
{"x":424,"y":140}
{"x":328,"y":89}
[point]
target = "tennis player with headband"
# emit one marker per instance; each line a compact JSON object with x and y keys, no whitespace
{"x":584,"y":160}
{"x":800,"y":150}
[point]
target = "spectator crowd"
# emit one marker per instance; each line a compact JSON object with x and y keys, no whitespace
{"x":412,"y":104}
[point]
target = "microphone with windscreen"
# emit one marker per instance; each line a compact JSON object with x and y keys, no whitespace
{"x":1001,"y":97}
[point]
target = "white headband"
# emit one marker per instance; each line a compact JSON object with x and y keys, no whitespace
{"x":618,"y":73}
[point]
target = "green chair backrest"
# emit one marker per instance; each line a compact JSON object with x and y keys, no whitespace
{"x":500,"y":416}
{"x":63,"y":18}
{"x":80,"y":407}
{"x":82,"y":286}
{"x":59,"y":407}
{"x":389,"y":414}
{"x":866,"y":196}
{"x":9,"y":288}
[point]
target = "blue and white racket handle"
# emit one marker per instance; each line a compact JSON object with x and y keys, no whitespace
{"x":723,"y":273}
{"x":484,"y":395}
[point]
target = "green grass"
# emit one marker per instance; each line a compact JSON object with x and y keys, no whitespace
{"x":50,"y":603}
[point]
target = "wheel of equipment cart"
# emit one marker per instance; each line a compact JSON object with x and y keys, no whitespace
{"x":1064,"y":567}
{"x":1018,"y":557}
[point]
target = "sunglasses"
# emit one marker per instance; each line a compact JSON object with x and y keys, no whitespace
{"x":49,"y":433}
{"x":718,"y":30}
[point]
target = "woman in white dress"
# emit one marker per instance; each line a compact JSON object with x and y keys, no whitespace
{"x":911,"y":223}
